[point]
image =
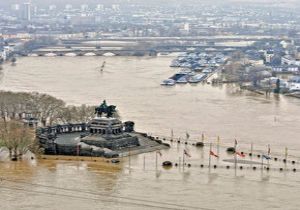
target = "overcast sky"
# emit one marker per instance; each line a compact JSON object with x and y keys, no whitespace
{"x":76,"y":2}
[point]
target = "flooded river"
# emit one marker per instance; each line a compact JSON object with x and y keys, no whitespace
{"x":133,"y":85}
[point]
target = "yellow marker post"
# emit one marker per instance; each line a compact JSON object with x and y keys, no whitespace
{"x":286,"y":154}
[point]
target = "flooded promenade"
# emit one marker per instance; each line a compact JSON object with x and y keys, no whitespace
{"x":133,"y":85}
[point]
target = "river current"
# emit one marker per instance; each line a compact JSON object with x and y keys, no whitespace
{"x":133,"y":85}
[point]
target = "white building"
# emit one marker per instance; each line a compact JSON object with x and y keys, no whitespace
{"x":3,"y":55}
{"x":52,"y":7}
{"x":5,"y":52}
{"x":115,"y":7}
{"x":100,"y":7}
{"x":27,"y":11}
{"x":15,"y":7}
{"x":288,"y":60}
{"x":285,"y":68}
{"x":84,"y":7}
{"x":186,"y":27}
{"x":68,"y":7}
{"x":268,"y":54}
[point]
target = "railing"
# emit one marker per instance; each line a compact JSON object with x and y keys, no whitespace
{"x":61,"y":129}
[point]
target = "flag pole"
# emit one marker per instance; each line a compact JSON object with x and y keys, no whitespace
{"x":235,"y":157}
{"x":187,"y":137}
{"x":155,"y":160}
{"x":209,"y":156}
{"x":144,"y":162}
{"x":183,"y":160}
{"x":129,"y":158}
{"x":218,"y":147}
{"x":262,"y":161}
{"x":269,"y":149}
{"x":286,"y":154}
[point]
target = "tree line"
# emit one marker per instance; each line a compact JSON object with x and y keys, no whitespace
{"x":47,"y":109}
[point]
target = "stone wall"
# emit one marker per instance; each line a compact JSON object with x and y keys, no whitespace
{"x":114,"y":144}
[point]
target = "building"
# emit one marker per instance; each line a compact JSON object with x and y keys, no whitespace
{"x":269,"y":54}
{"x":27,"y":11}
{"x":285,"y":69}
{"x":68,"y":7}
{"x":99,"y":7}
{"x":15,"y":7}
{"x":294,"y":84}
{"x":289,"y":60}
{"x":5,"y":52}
{"x":186,"y":27}
{"x":84,"y":7}
{"x":52,"y":7}
{"x":29,"y":119}
{"x":116,"y":7}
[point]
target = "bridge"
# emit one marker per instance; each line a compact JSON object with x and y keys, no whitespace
{"x":166,"y":49}
{"x":187,"y":38}
{"x":70,"y":52}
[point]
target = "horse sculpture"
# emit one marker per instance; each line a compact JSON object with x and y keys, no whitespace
{"x":104,"y":108}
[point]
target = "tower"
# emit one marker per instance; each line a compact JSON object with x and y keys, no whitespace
{"x":27,"y":11}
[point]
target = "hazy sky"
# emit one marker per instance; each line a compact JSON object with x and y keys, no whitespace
{"x":76,"y":2}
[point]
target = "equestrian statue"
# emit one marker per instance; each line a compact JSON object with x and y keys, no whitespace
{"x":105,"y":109}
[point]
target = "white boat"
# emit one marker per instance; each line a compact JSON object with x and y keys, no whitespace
{"x":168,"y":82}
{"x":182,"y":80}
{"x":207,"y":71}
{"x":197,"y":78}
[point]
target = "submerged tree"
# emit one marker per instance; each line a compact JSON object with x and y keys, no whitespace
{"x":277,"y":89}
{"x":17,"y":138}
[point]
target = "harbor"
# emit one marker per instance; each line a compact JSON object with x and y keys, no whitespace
{"x":195,"y":67}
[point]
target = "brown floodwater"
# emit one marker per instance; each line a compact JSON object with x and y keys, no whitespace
{"x":133,"y":84}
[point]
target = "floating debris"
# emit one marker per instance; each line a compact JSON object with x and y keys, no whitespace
{"x":167,"y":164}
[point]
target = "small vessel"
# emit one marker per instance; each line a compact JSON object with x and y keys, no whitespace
{"x":103,"y":64}
{"x":175,"y":64}
{"x":168,"y":82}
{"x":182,"y":73}
{"x":197,"y":78}
{"x":182,"y":80}
{"x":207,"y":71}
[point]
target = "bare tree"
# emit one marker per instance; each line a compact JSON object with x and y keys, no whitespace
{"x":45,"y":108}
{"x":16,"y":137}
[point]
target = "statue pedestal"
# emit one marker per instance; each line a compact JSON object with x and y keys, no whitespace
{"x":109,"y":133}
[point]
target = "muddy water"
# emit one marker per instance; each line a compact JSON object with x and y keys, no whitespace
{"x":133,"y":85}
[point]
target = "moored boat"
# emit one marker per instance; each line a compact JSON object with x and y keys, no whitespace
{"x":197,"y":78}
{"x":168,"y":82}
{"x":182,"y":80}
